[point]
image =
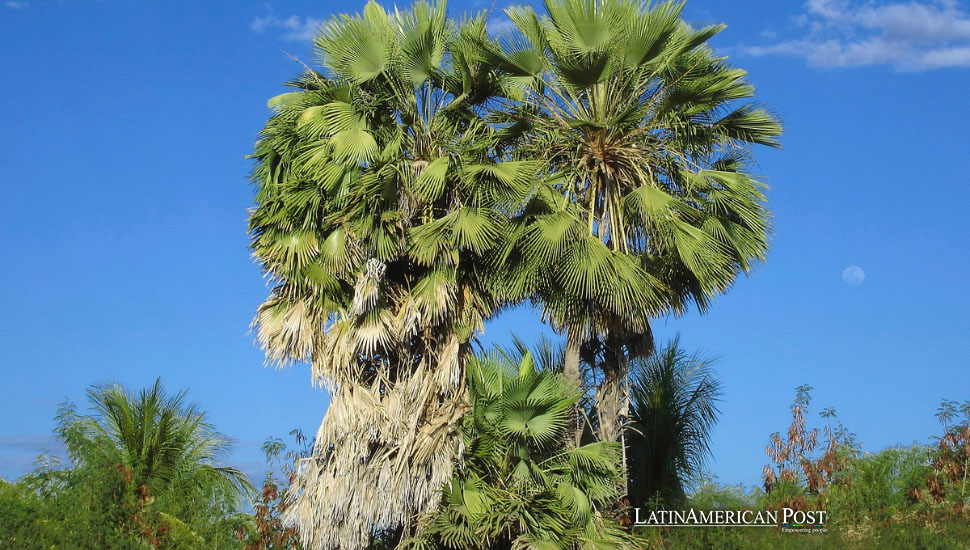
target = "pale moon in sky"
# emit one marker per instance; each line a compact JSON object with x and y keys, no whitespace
{"x":854,"y":275}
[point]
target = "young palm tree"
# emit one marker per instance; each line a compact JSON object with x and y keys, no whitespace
{"x":520,"y":488}
{"x":674,"y":407}
{"x":162,"y":446}
{"x":379,"y":201}
{"x":649,"y":205}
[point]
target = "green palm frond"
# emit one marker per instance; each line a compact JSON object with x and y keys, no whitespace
{"x":595,"y":161}
{"x":645,"y":134}
{"x":674,"y":407}
{"x":166,"y":444}
{"x":357,"y":48}
{"x":519,"y":488}
{"x":382,"y":200}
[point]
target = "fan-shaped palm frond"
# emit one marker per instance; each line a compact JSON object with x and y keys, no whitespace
{"x":649,"y":205}
{"x":382,"y":194}
{"x":519,"y":487}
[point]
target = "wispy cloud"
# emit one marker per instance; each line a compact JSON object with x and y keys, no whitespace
{"x":293,"y":28}
{"x":30,"y":442}
{"x":18,"y":453}
{"x":15,"y":5}
{"x":909,"y":36}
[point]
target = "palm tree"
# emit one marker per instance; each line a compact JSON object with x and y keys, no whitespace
{"x":648,"y":205}
{"x":164,"y":448}
{"x":382,"y":190}
{"x":520,"y":488}
{"x":674,"y":408}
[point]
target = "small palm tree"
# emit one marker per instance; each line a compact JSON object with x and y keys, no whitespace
{"x":520,"y":487}
{"x":674,"y":408}
{"x":164,"y":449}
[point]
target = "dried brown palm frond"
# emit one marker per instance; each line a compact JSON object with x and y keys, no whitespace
{"x":389,"y":439}
{"x":382,"y":454}
{"x":285,"y":329}
{"x":394,"y":365}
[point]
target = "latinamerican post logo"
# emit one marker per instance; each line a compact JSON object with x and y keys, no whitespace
{"x":787,"y":519}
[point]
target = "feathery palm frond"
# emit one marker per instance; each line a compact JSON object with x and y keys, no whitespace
{"x":674,"y":408}
{"x":166,"y":445}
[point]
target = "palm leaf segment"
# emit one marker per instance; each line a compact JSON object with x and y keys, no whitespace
{"x":519,"y":487}
{"x":377,"y":205}
{"x":646,"y":134}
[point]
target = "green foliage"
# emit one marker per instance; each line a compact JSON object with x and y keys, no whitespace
{"x":164,"y":445}
{"x":674,"y":408}
{"x":709,"y":495}
{"x":380,"y":190}
{"x":268,"y":530}
{"x":381,"y":208}
{"x":897,"y":498}
{"x":82,"y":509}
{"x":638,"y":120}
{"x":144,"y":475}
{"x":428,"y":175}
{"x":878,"y":485}
{"x":596,"y":160}
{"x":521,"y":487}
{"x":647,"y":202}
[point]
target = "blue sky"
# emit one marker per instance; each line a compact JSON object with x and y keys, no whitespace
{"x":123,"y":219}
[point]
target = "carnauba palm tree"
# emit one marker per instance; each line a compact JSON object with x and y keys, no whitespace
{"x":673,"y":410}
{"x":382,"y":188}
{"x":520,"y":487}
{"x":648,"y":202}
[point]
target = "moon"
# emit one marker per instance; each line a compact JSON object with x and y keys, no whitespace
{"x":854,"y":275}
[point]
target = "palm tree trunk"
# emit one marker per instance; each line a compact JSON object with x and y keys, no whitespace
{"x":571,"y":358}
{"x":612,"y":400}
{"x":611,"y":393}
{"x":571,"y":371}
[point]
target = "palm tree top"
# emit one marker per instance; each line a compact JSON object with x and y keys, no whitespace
{"x":647,"y":138}
{"x":165,"y":443}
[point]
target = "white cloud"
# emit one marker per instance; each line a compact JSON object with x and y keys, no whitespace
{"x":293,"y":28}
{"x":15,"y":5}
{"x":909,"y":36}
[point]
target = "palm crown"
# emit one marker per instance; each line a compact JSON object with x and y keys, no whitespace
{"x":164,"y":446}
{"x":648,"y":205}
{"x":674,"y":408}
